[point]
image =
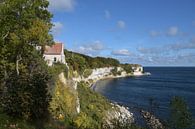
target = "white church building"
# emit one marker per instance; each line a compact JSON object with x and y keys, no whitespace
{"x":54,"y":54}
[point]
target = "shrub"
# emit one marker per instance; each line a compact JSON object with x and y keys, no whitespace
{"x":63,"y":104}
{"x":114,"y":71}
{"x":57,"y":68}
{"x":7,"y":122}
{"x":93,"y":107}
{"x":26,"y":95}
{"x":87,"y":73}
{"x":180,"y":117}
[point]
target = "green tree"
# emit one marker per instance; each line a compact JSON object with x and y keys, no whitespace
{"x":27,"y":94}
{"x":114,"y":71}
{"x":87,"y":73}
{"x":127,"y":68}
{"x":180,"y":117}
{"x":24,"y":24}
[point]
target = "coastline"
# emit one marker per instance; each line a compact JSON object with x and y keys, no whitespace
{"x":93,"y":84}
{"x":144,"y":117}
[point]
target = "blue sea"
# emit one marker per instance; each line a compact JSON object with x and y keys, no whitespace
{"x":160,"y":86}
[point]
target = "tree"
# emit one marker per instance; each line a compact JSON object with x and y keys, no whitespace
{"x":24,"y":24}
{"x":180,"y":117}
{"x":127,"y":68}
{"x":27,"y":94}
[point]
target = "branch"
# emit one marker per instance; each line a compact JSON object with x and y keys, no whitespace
{"x":19,"y":58}
{"x":5,"y":36}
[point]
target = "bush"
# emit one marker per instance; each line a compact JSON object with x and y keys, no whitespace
{"x":63,"y":104}
{"x":180,"y":117}
{"x":87,"y":73}
{"x":57,"y":68}
{"x":114,"y":71}
{"x":27,"y":94}
{"x":127,"y":67}
{"x":7,"y":122}
{"x":93,"y":107}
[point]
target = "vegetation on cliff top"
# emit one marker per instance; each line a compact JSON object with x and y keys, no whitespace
{"x":80,"y":63}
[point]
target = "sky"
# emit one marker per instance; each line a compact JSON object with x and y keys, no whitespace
{"x":147,"y":32}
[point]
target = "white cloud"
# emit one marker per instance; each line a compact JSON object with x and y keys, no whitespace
{"x":174,"y":47}
{"x":57,"y":28}
{"x":107,"y":14}
{"x":121,"y":24}
{"x":173,"y":31}
{"x":122,"y":52}
{"x":92,"y":48}
{"x":62,"y":5}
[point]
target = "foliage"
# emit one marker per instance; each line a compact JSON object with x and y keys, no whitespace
{"x":75,"y":62}
{"x":24,"y":24}
{"x":27,"y":95}
{"x":83,"y":121}
{"x":127,"y":67}
{"x":180,"y":117}
{"x":7,"y":122}
{"x":93,"y":107}
{"x":116,"y":72}
{"x":87,"y":73}
{"x":63,"y":104}
{"x":57,"y":68}
{"x":80,"y":62}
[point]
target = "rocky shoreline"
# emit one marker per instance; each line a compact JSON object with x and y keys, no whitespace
{"x":151,"y":120}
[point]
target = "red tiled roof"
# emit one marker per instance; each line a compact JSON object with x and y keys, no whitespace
{"x":54,"y":49}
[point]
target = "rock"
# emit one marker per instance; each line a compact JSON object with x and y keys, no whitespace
{"x":120,"y":114}
{"x":62,"y":78}
{"x":151,"y":120}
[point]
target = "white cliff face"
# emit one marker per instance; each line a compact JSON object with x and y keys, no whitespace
{"x":106,"y":72}
{"x":100,"y":72}
{"x":138,"y":71}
